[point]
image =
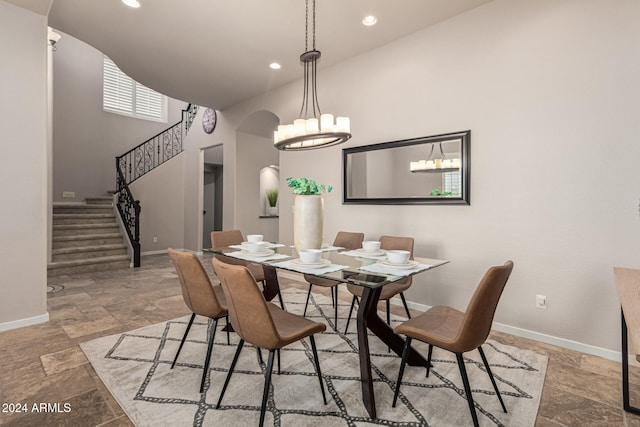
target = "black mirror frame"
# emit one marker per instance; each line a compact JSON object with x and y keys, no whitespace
{"x":464,"y":199}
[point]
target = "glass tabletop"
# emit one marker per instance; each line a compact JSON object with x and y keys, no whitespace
{"x":357,"y":267}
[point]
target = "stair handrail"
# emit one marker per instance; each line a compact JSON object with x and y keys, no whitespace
{"x":141,"y":160}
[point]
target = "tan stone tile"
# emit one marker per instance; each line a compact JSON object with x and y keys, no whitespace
{"x":68,"y":298}
{"x":63,"y":360}
{"x":566,"y":408}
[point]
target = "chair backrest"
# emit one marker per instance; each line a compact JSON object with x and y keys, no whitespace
{"x":221,"y":239}
{"x":197,"y":290}
{"x":399,"y":243}
{"x":478,"y":317}
{"x":248,"y":310}
{"x":349,"y":240}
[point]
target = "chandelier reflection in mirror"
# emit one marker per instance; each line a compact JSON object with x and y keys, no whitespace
{"x":311,"y":129}
{"x":435,"y":162}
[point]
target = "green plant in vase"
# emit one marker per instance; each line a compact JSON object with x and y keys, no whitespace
{"x":308,"y":212}
{"x":272,"y":200}
{"x":272,"y":197}
{"x":307,"y":187}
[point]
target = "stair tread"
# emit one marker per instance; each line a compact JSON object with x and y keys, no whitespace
{"x":83,"y":215}
{"x":89,"y":261}
{"x":87,"y":248}
{"x":85,"y":237}
{"x":82,"y":206}
{"x":84,"y":226}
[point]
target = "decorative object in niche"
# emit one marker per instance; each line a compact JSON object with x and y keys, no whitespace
{"x":272,"y":201}
{"x":308,"y":212}
{"x":429,"y":170}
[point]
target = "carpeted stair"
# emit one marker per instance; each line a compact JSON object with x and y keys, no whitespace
{"x":86,"y":238}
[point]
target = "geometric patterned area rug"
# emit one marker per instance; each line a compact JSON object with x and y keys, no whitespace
{"x":135,"y":368}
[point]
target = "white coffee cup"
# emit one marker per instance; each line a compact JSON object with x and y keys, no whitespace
{"x":310,"y":256}
{"x":371,"y":246}
{"x":397,"y":256}
{"x":252,"y":238}
{"x":255,"y":247}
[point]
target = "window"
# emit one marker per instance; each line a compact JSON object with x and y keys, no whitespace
{"x":123,"y":95}
{"x":451,"y":183}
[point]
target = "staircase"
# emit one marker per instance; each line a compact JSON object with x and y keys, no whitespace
{"x":86,"y":238}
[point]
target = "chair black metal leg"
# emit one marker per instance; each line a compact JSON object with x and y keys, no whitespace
{"x":280,"y":298}
{"x":406,"y":307}
{"x":388,"y":304}
{"x":226,"y":318}
{"x":212,"y":336}
{"x":186,"y":332}
{"x":233,"y":365}
{"x":335,"y":314}
{"x":317,"y":363}
{"x":493,"y":381}
{"x":278,"y":351}
{"x":267,"y":383}
{"x":333,"y":297}
{"x":626,"y":401}
{"x":353,"y":301}
{"x":405,"y":354}
{"x":307,"y":303}
{"x":467,"y":388}
{"x":429,"y":358}
{"x":261,"y":361}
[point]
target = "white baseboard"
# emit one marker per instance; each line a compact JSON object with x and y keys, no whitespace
{"x":537,"y":336}
{"x":15,"y":324}
{"x":163,"y":251}
{"x":519,"y":332}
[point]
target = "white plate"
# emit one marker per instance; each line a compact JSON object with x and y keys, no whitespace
{"x":409,"y":264}
{"x":264,"y":252}
{"x":376,"y":253}
{"x":322,"y":263}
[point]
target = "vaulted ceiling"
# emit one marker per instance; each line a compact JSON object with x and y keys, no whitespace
{"x":217,"y":52}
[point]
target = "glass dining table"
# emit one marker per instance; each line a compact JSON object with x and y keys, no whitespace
{"x":355,"y":267}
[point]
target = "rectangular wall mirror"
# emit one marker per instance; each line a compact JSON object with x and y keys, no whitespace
{"x":425,"y":170}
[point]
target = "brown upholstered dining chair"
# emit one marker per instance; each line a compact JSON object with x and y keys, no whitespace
{"x":221,"y":239}
{"x":263,"y":324}
{"x":392,"y":289}
{"x":201,"y":297}
{"x":347,"y":240}
{"x":459,"y":332}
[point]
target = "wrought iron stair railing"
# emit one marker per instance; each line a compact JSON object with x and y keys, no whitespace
{"x":141,"y":160}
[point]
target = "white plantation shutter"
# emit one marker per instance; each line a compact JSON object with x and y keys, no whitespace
{"x":451,"y":182}
{"x":117,"y":89}
{"x":149,"y":102}
{"x":123,"y":95}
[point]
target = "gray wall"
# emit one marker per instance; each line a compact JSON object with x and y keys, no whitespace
{"x":87,"y":139}
{"x":23,"y":167}
{"x":549,"y":90}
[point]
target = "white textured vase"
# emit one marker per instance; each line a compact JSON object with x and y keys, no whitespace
{"x":308,"y":217}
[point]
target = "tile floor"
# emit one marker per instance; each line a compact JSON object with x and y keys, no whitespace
{"x":44,"y":364}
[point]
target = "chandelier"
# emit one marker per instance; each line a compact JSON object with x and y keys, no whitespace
{"x":311,"y":129}
{"x":435,"y":162}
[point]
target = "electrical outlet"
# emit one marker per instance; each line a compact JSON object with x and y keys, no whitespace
{"x":155,"y":239}
{"x":68,"y":194}
{"x":541,"y":302}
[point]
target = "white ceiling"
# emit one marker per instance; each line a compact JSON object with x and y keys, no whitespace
{"x":216,"y":52}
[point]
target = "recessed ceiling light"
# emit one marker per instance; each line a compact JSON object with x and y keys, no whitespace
{"x":369,"y":20}
{"x":132,"y":3}
{"x":274,"y":66}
